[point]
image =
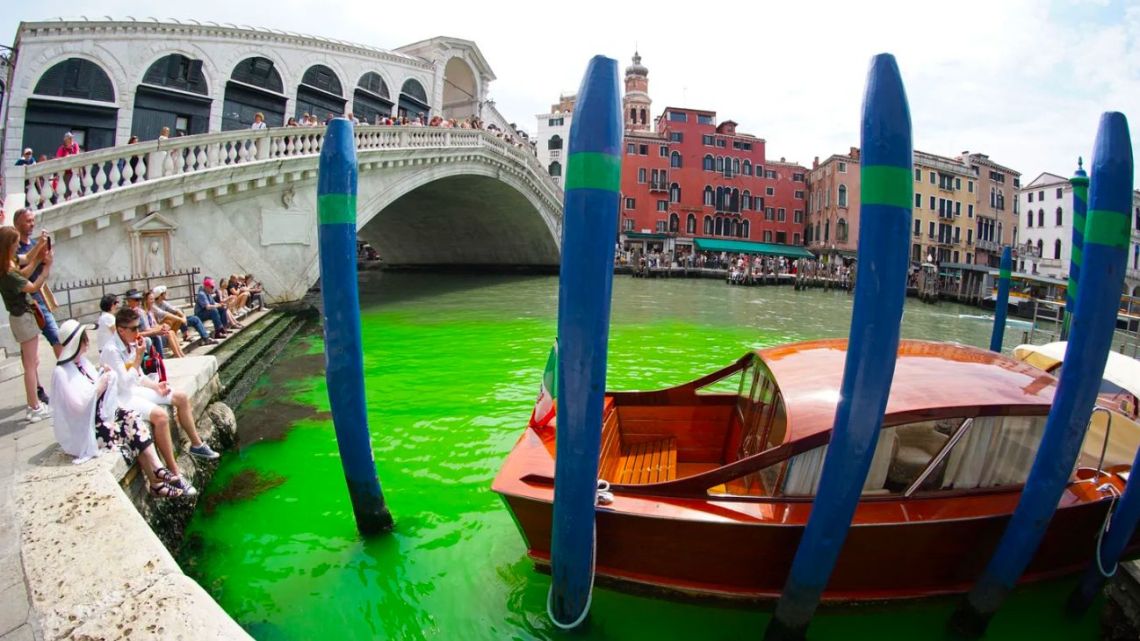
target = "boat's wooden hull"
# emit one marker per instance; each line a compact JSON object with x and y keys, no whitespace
{"x":750,"y":560}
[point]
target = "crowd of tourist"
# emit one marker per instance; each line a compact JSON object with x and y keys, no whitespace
{"x":737,"y":268}
{"x":116,"y":399}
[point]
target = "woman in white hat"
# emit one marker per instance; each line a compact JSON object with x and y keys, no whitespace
{"x":87,"y":419}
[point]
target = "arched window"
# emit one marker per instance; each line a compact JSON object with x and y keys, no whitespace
{"x":556,"y":167}
{"x":708,"y":196}
{"x":1060,"y":217}
{"x":173,"y":94}
{"x":675,"y":160}
{"x":1029,"y":219}
{"x":643,"y":118}
{"x":674,"y":222}
{"x":1057,"y":248}
{"x":555,"y":142}
{"x":1040,"y":217}
{"x":826,"y":230}
{"x":708,"y":226}
{"x":734,"y":201}
{"x":736,"y":165}
{"x":817,"y":236}
{"x":93,"y":125}
{"x":747,"y":168}
{"x":674,"y":193}
{"x":633,"y":115}
{"x":1040,"y":246}
{"x":691,"y":224}
{"x":719,"y":226}
{"x":842,"y":202}
{"x":710,"y":165}
{"x":320,"y":93}
{"x":720,"y":198}
{"x":807,"y":235}
{"x":371,"y":99}
{"x":746,"y":200}
{"x":413,"y":99}
{"x":720,"y":163}
{"x":254,"y":86}
{"x":841,"y":230}
{"x":744,"y":230}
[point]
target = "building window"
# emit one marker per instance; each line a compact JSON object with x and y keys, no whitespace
{"x":708,"y":226}
{"x":917,"y":199}
{"x":704,"y":119}
{"x":1060,"y":193}
{"x":744,"y":230}
{"x":641,"y":175}
{"x":799,"y":195}
{"x":798,"y":216}
{"x":663,"y":150}
{"x":708,"y":164}
{"x":1057,"y":249}
{"x":932,"y":203}
{"x":1029,"y":219}
{"x":718,"y":226}
{"x":1060,"y":217}
{"x":957,"y":209}
{"x":930,"y":230}
{"x":708,"y":196}
{"x":796,"y":239}
{"x":678,"y":116}
{"x":747,"y":168}
{"x":736,"y":166}
{"x":674,"y":193}
{"x":917,"y":174}
{"x":662,"y":205}
{"x":643,"y":150}
{"x":1041,"y":195}
{"x":767,"y":236}
{"x":969,"y":211}
{"x":707,"y":140}
{"x":933,"y":178}
{"x":627,"y":224}
{"x":630,"y":149}
{"x":842,"y":200}
{"x":969,"y":236}
{"x":554,"y":122}
{"x":781,"y":215}
{"x":556,"y":169}
{"x":1040,"y":217}
{"x":797,"y":178}
{"x":676,"y":136}
{"x":970,"y":186}
{"x":691,"y":224}
{"x":1030,"y":196}
{"x":841,"y":231}
{"x":957,"y":183}
{"x":675,"y":160}
{"x":1040,"y":246}
{"x":629,"y":203}
{"x":771,"y":173}
{"x":842,"y":167}
{"x":769,"y":191}
{"x":674,"y":222}
{"x":660,"y":227}
{"x":720,"y":142}
{"x":917,"y":227}
{"x":769,"y":213}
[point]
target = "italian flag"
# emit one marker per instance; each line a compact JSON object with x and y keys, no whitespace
{"x":544,"y":405}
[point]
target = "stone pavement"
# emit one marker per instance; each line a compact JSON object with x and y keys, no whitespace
{"x":77,"y":560}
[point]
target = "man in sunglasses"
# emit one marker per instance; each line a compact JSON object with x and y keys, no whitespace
{"x":136,"y":391}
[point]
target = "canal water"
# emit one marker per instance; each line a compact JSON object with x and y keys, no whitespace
{"x":452,"y":366}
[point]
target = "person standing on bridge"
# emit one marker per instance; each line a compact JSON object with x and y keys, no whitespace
{"x":14,"y":289}
{"x":259,"y":122}
{"x":69,"y":146}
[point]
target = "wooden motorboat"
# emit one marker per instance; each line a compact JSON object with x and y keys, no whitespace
{"x":712,"y":481}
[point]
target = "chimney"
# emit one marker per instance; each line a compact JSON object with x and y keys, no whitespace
{"x":815,"y":163}
{"x":781,"y":159}
{"x":854,"y":153}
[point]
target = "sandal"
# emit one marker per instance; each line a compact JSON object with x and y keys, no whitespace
{"x":165,"y":491}
{"x":165,"y":475}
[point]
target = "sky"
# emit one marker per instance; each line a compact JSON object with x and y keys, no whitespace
{"x":1024,"y":82}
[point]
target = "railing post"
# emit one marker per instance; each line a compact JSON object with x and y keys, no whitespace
{"x":154,"y":165}
{"x":14,"y":199}
{"x":263,"y":143}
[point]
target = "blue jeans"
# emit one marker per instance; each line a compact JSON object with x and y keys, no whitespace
{"x":213,"y":315}
{"x":51,"y":329}
{"x":196,"y":323}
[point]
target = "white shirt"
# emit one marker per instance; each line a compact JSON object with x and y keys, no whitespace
{"x":104,"y":330}
{"x":73,"y":400}
{"x":259,"y":125}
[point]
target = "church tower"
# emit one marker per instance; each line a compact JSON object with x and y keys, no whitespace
{"x":636,"y":101}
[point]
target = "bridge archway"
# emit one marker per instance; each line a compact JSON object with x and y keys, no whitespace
{"x":413,"y":100}
{"x":460,"y":90}
{"x":81,"y":99}
{"x":254,"y":86}
{"x":173,"y":93}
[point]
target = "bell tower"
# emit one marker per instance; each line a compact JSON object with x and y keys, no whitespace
{"x":636,"y":102}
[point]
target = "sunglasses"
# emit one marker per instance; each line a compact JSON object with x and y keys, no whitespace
{"x":133,"y":328}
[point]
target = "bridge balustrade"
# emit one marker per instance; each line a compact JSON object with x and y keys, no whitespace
{"x":60,"y":180}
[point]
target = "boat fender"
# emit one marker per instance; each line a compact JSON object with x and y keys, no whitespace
{"x":1104,"y":528}
{"x":603,"y":497}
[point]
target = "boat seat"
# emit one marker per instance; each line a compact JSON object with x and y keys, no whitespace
{"x":918,"y":443}
{"x":648,"y":461}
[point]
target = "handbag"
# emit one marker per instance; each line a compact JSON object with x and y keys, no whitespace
{"x":41,"y":320}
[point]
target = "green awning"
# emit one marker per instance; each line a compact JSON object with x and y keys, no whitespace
{"x":748,"y":247}
{"x":641,"y":235}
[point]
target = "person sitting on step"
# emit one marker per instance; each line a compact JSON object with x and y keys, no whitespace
{"x":206,"y":308}
{"x":175,"y":319}
{"x":147,"y":396}
{"x":87,"y":419}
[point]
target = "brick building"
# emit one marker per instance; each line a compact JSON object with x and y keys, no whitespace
{"x":833,"y":206}
{"x":690,"y":178}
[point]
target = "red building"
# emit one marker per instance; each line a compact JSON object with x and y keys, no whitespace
{"x":692,"y":178}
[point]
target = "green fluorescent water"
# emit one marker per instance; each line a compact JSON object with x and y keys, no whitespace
{"x":452,"y":366}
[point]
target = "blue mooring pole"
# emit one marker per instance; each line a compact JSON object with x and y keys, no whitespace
{"x":344,"y":358}
{"x":1001,"y":305}
{"x":1111,"y":189}
{"x":590,"y":219}
{"x":886,"y":197}
{"x":1094,"y":321}
{"x":1080,"y":183}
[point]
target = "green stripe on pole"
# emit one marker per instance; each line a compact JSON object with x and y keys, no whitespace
{"x":336,"y":208}
{"x":1004,"y":273}
{"x":1109,"y":228}
{"x":1078,"y":254}
{"x":886,"y":185}
{"x":593,"y":170}
{"x":1079,"y":220}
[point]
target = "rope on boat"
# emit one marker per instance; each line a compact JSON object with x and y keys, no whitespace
{"x":1104,"y":528}
{"x":603,"y":496}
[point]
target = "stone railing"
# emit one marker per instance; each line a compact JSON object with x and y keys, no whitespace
{"x":60,"y":180}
